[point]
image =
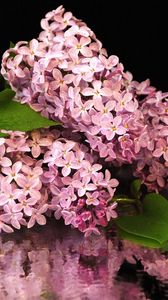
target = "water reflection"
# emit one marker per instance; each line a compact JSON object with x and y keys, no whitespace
{"x":57,"y":263}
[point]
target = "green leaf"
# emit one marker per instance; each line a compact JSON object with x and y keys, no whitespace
{"x":6,"y":95}
{"x":135,"y":188}
{"x":149,"y":227}
{"x":17,"y":116}
{"x":11,"y":44}
{"x":138,"y":239}
{"x":164,"y":247}
{"x":3,"y":134}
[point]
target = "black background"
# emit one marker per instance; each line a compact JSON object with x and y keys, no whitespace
{"x":135,"y":31}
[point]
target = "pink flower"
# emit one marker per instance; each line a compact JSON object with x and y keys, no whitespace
{"x":111,"y":129}
{"x":57,"y":211}
{"x":68,"y":163}
{"x":80,"y":158}
{"x":26,"y":94}
{"x":42,"y":106}
{"x":78,"y":46}
{"x":157,"y":173}
{"x":9,"y":193}
{"x":15,"y":218}
{"x":83,"y":186}
{"x":125,"y":141}
{"x":97,"y":91}
{"x":50,"y":175}
{"x":5,"y":227}
{"x":161,"y":149}
{"x":13,"y":172}
{"x":37,"y":216}
{"x":109,"y":62}
{"x":125,"y":102}
{"x":67,"y":197}
{"x":64,"y":21}
{"x":109,"y":183}
{"x":30,"y":186}
{"x":32,"y":173}
{"x":4,"y":161}
{"x":110,"y":212}
{"x":87,"y":69}
{"x":81,"y":109}
{"x":90,"y":230}
{"x":86,"y":215}
{"x":104,"y":111}
{"x":66,"y":147}
{"x":76,"y":30}
{"x":13,"y":64}
{"x":2,"y":141}
{"x":98,"y":178}
{"x":37,"y":141}
{"x":69,"y":216}
{"x":52,"y":155}
{"x":59,"y":80}
{"x":38,"y":74}
{"x":32,"y":51}
{"x":92,"y":198}
{"x":17,"y":144}
{"x":89,"y":169}
{"x":144,"y":87}
{"x":25,"y":205}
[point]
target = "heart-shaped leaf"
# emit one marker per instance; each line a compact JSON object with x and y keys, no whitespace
{"x":147,"y":242}
{"x":20,"y":117}
{"x":6,"y":95}
{"x":149,"y":228}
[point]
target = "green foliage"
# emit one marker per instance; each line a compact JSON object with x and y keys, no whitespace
{"x":11,"y":44}
{"x":3,"y":134}
{"x":135,"y":188}
{"x":19,"y":117}
{"x":150,"y":228}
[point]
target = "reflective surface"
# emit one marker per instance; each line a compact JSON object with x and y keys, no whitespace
{"x":56,"y":262}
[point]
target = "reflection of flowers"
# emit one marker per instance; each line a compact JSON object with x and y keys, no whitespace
{"x":37,"y":265}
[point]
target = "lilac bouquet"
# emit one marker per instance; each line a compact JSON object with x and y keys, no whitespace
{"x":100,"y":120}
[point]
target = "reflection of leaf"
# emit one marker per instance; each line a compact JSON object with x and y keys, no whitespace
{"x":17,"y":116}
{"x":49,"y":296}
{"x":135,"y":188}
{"x":149,"y":228}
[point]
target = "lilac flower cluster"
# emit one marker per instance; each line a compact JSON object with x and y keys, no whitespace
{"x":152,"y":160}
{"x":66,"y":75}
{"x":43,"y":172}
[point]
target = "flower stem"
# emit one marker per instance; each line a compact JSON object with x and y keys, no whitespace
{"x":125,"y":200}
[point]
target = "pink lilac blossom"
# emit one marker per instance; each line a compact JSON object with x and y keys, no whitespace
{"x":66,"y":74}
{"x":152,"y":162}
{"x":50,"y":173}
